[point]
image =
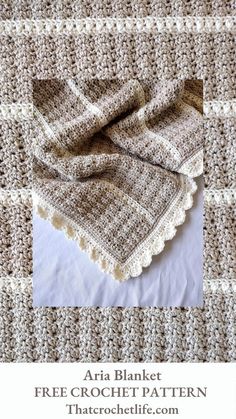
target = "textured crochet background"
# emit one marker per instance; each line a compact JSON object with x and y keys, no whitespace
{"x":200,"y":48}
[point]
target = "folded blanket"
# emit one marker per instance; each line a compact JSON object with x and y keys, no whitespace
{"x":114,"y":162}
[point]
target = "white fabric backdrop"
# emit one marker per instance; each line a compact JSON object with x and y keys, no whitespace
{"x":64,"y":275}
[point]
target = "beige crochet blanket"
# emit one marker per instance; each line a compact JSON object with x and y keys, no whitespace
{"x":114,"y":163}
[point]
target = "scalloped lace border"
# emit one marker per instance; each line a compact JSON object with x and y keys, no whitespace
{"x":142,"y":256}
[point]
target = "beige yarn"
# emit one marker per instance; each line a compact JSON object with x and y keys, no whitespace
{"x":152,"y":334}
{"x":116,"y":334}
{"x":106,"y":155}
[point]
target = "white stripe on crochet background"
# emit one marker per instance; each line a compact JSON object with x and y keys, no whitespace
{"x":151,"y":134}
{"x":9,"y":196}
{"x":222,"y":285}
{"x":211,"y":196}
{"x":25,"y":110}
{"x":39,"y":117}
{"x":140,"y":114}
{"x":16,"y":111}
{"x":220,"y":108}
{"x":159,"y":139}
{"x":118,"y":25}
{"x":15,"y":283}
{"x":219,"y":196}
{"x":89,"y":105}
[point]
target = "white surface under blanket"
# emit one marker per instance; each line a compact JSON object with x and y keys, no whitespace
{"x":64,"y":275}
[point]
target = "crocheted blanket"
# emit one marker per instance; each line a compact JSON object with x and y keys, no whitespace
{"x":114,"y":163}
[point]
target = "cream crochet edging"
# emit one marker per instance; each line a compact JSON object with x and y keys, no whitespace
{"x":189,"y":24}
{"x":193,"y":167}
{"x":142,"y":256}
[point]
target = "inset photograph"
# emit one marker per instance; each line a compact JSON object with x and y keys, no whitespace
{"x":117,"y":193}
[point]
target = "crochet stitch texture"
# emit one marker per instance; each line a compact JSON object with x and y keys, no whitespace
{"x":60,"y":52}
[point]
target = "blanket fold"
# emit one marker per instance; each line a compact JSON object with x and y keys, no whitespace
{"x":113,"y":164}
